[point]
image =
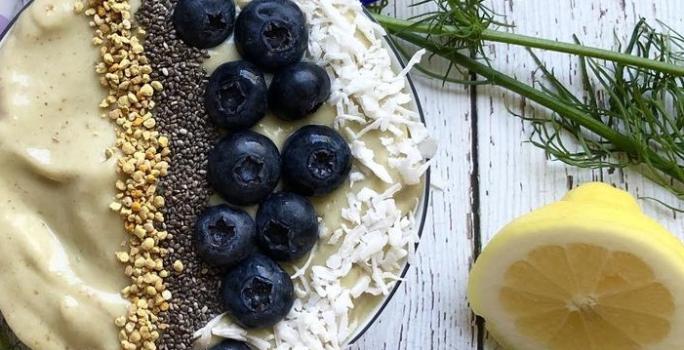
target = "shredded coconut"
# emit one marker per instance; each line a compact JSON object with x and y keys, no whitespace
{"x":376,"y":237}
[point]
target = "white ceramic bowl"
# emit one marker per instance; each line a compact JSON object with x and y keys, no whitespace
{"x":420,"y":211}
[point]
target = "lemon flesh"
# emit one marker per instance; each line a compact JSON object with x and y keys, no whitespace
{"x":587,"y":272}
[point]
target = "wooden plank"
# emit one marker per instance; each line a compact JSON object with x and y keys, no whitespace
{"x":430,"y":310}
{"x":515,"y":176}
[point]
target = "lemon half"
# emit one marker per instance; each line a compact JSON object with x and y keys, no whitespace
{"x":590,"y":272}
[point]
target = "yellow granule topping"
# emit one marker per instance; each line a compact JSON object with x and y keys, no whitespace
{"x":125,"y":72}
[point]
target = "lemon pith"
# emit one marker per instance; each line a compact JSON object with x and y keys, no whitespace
{"x":589,"y":272}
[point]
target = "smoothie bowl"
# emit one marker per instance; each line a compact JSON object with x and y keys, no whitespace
{"x":204,"y":174}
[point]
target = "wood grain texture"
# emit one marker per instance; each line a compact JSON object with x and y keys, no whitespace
{"x":516,"y":177}
{"x":511,"y":176}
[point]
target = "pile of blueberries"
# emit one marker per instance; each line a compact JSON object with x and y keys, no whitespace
{"x":245,"y":167}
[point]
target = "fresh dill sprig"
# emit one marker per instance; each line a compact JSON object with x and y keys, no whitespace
{"x":646,"y":106}
{"x":459,"y":24}
{"x":456,"y":24}
{"x":631,"y":112}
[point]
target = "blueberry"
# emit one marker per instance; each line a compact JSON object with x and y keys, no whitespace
{"x":230,"y":344}
{"x":287,"y":226}
{"x":271,"y":33}
{"x":236,"y":95}
{"x":204,"y":23}
{"x":316,"y":160}
{"x":225,"y":236}
{"x":244,"y":167}
{"x":257,"y":293}
{"x":298,"y":90}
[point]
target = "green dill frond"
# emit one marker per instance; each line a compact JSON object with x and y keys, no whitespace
{"x":455,"y":25}
{"x":629,"y":114}
{"x":645,"y":106}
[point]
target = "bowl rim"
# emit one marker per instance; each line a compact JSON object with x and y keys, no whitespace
{"x":421,"y":210}
{"x":13,"y":20}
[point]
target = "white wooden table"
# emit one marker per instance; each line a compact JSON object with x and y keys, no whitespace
{"x":491,"y":175}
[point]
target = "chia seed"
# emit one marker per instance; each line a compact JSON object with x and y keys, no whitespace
{"x":181,"y":116}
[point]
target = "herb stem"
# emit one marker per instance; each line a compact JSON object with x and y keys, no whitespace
{"x":622,"y":142}
{"x":581,"y":50}
{"x":399,"y":25}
